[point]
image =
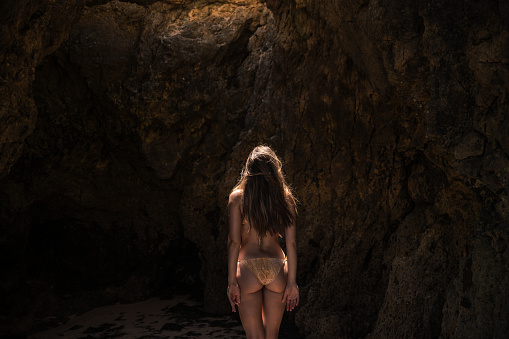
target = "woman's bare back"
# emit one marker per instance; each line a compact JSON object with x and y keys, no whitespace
{"x":255,"y":247}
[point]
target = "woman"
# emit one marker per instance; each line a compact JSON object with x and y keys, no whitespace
{"x":261,"y":280}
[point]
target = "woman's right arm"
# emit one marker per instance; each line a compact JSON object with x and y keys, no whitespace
{"x":291,"y":294}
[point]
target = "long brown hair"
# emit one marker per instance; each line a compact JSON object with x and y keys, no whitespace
{"x":267,"y":201}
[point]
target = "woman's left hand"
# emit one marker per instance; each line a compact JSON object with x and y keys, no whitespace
{"x":291,"y":296}
{"x":233,"y":295}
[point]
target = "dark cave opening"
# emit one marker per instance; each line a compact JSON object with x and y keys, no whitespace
{"x":72,"y":256}
{"x":182,"y":274}
{"x":71,"y":266}
{"x":95,"y":225}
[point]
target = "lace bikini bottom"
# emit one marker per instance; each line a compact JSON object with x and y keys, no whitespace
{"x":264,"y":269}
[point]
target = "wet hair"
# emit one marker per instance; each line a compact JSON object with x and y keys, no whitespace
{"x":267,"y":201}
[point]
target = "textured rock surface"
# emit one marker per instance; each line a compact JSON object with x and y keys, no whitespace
{"x":391,"y":117}
{"x":30,"y":31}
{"x":100,"y":206}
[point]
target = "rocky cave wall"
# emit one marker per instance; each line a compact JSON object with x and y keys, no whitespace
{"x":124,"y":125}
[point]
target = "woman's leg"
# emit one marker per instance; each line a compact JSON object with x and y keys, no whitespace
{"x":273,"y":308}
{"x":250,"y":306}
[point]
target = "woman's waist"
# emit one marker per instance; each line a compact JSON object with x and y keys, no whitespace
{"x":248,"y":252}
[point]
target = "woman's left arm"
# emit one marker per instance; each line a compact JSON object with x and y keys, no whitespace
{"x":234,"y":242}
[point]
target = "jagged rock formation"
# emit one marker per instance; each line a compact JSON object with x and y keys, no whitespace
{"x":30,"y":31}
{"x":120,"y":148}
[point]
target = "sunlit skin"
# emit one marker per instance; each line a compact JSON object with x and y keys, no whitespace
{"x":260,"y":307}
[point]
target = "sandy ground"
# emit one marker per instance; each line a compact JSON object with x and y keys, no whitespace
{"x":180,"y":317}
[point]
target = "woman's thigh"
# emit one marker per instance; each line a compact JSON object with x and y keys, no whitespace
{"x":273,"y":307}
{"x":273,"y":310}
{"x":251,"y":300}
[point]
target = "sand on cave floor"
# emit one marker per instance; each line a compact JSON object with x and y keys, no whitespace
{"x":179,"y":317}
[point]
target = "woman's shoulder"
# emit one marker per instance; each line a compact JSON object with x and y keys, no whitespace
{"x":235,"y":197}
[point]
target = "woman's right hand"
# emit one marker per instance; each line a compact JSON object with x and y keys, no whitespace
{"x":291,"y":296}
{"x":233,"y":293}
